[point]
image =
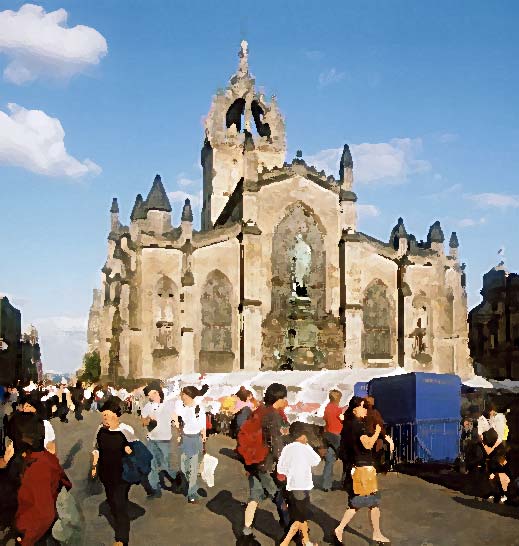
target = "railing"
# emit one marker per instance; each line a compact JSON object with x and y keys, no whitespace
{"x":417,"y":440}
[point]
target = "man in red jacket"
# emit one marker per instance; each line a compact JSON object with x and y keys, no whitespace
{"x":40,"y":482}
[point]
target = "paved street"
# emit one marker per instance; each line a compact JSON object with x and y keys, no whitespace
{"x":414,"y":512}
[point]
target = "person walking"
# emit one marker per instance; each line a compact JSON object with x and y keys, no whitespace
{"x":156,"y":416}
{"x":260,"y":442}
{"x":64,"y":401}
{"x":296,"y":462}
{"x":78,"y":398}
{"x":192,"y":435}
{"x":111,"y":445}
{"x":333,"y":419}
{"x":364,"y":475}
{"x":41,"y":479}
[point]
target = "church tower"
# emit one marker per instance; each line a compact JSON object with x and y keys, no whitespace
{"x":237,"y":114}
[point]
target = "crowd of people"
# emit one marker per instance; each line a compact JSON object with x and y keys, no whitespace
{"x":277,"y":457}
{"x":486,"y":455}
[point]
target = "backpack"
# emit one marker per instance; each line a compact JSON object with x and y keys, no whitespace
{"x":137,"y":465}
{"x":251,"y":446}
{"x":234,"y":425}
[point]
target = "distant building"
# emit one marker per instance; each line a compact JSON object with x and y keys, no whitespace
{"x":20,"y":356}
{"x":494,"y":326}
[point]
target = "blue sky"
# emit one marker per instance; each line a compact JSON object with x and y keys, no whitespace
{"x":426,"y":94}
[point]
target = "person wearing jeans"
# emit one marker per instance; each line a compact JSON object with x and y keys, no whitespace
{"x":192,"y":437}
{"x":332,"y":435}
{"x":156,"y":416}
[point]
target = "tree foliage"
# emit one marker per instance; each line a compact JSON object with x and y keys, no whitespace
{"x":92,"y":366}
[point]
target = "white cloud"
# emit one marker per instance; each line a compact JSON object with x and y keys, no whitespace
{"x":498,"y":200}
{"x":391,"y":161}
{"x":329,"y":77}
{"x":184,"y":180}
{"x":62,"y":341}
{"x":34,"y":141}
{"x":369,"y":211}
{"x":39,"y":44}
{"x":471,"y":222}
{"x":181,"y":196}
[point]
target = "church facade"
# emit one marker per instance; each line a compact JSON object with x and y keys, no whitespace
{"x":278,"y":277}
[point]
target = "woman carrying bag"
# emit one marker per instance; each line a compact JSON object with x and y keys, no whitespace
{"x":365,"y":492}
{"x":111,"y":446}
{"x":192,"y":436}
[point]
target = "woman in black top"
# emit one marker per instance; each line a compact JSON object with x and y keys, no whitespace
{"x":110,"y":447}
{"x":357,"y":446}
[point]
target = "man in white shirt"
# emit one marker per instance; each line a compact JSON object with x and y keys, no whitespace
{"x":156,"y":416}
{"x":193,"y":435}
{"x":492,"y":419}
{"x":296,"y":462}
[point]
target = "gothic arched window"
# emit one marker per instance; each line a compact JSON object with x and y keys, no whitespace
{"x":216,"y":352}
{"x":376,"y":318}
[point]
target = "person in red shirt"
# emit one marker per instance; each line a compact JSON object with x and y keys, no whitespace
{"x":332,"y":436}
{"x":40,"y":482}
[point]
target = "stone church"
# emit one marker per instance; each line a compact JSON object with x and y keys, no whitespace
{"x":278,"y":277}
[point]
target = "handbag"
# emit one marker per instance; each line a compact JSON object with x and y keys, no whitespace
{"x":209,"y":464}
{"x":364,"y":480}
{"x":67,"y":528}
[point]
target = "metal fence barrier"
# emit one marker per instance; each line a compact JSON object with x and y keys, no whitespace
{"x":426,"y":440}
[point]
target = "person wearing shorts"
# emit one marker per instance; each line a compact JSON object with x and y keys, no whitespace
{"x":296,"y":462}
{"x":365,"y":492}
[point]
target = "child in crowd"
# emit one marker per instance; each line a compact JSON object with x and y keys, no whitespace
{"x":296,"y":462}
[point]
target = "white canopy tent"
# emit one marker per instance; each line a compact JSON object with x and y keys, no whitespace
{"x":307,"y":390}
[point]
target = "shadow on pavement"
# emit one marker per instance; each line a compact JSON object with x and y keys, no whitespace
{"x":74,"y":450}
{"x":229,"y":453}
{"x":134,"y":511}
{"x":500,"y":509}
{"x":224,"y":504}
{"x":475,"y":484}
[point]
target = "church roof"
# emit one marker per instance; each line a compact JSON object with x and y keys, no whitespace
{"x":115,"y":206}
{"x":157,"y":198}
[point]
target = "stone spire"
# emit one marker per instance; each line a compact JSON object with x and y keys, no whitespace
{"x":243,"y":54}
{"x":453,"y":246}
{"x":453,"y":242}
{"x":139,"y":210}
{"x":398,"y":238}
{"x":435,"y":234}
{"x":115,"y":206}
{"x":187,"y":213}
{"x":346,"y":168}
{"x":114,"y":215}
{"x":157,"y":198}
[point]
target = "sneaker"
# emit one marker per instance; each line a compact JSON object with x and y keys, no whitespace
{"x":490,"y":498}
{"x":193,"y":501}
{"x":503,"y":499}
